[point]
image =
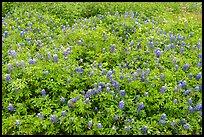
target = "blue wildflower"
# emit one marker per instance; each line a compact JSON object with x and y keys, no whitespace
{"x":43,"y":92}
{"x":141,"y":106}
{"x":163,"y":116}
{"x":190,"y":109}
{"x":190,"y":75}
{"x":186,"y":126}
{"x":162,"y":121}
{"x":198,"y":107}
{"x":55,"y":57}
{"x":189,"y":101}
{"x":176,"y":67}
{"x":163,"y":89}
{"x":11,"y":107}
{"x":122,"y":93}
{"x":173,"y":123}
{"x":39,"y":115}
{"x":196,"y":88}
{"x":121,"y":105}
{"x":116,"y":117}
{"x":53,"y":118}
{"x":99,"y":125}
{"x":144,"y":129}
{"x":64,"y":113}
{"x":198,"y":76}
{"x":185,"y":67}
{"x":8,"y":77}
{"x":90,"y":123}
{"x":18,"y":122}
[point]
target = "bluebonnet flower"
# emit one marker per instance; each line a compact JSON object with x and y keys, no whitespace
{"x":186,"y":126}
{"x":99,"y":90}
{"x":99,"y":125}
{"x":162,"y":121}
{"x":74,"y":100}
{"x":134,"y":76}
{"x":8,"y":77}
{"x":39,"y":115}
{"x":196,"y":88}
{"x":103,"y":72}
{"x":13,"y":53}
{"x":182,"y":50}
{"x":11,"y":107}
{"x":77,"y":97}
{"x":127,"y":128}
{"x":87,"y":101}
{"x":183,"y":84}
{"x":71,"y":119}
{"x":109,"y":73}
{"x":144,"y":129}
{"x":43,"y":92}
{"x":18,"y":122}
{"x":187,"y":91}
{"x":146,"y":93}
{"x":173,"y":123}
{"x":17,"y":64}
{"x":198,"y":76}
{"x":53,"y":118}
{"x":122,"y":93}
{"x":198,"y":107}
{"x":138,"y":45}
{"x":90,"y":123}
{"x":113,"y":48}
{"x":141,"y":106}
{"x":163,"y":116}
{"x":162,"y":89}
{"x":200,"y":56}
{"x":157,"y":52}
{"x":190,"y":109}
{"x":189,"y":101}
{"x":162,"y":76}
{"x":62,"y":99}
{"x":180,"y":85}
{"x":199,"y":45}
{"x":190,"y":75}
{"x":200,"y":113}
{"x":121,"y":105}
{"x":175,"y":89}
{"x":32,"y":61}
{"x":80,"y":42}
{"x":176,"y":67}
{"x":112,"y":92}
{"x":116,"y":117}
{"x":185,"y":67}
{"x":64,"y":113}
{"x":46,"y":72}
{"x":107,"y":89}
{"x":172,"y":38}
{"x":55,"y":57}
{"x":10,"y":67}
{"x":131,"y":43}
{"x":183,"y":43}
{"x":200,"y":87}
{"x":103,"y":50}
{"x":200,"y":64}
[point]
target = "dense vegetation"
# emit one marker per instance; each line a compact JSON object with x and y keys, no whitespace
{"x":102,"y":68}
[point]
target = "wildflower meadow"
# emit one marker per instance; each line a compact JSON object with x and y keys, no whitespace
{"x":102,"y":68}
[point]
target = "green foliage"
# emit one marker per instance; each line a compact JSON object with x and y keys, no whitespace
{"x":82,"y":30}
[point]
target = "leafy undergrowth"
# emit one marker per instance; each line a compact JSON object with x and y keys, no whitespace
{"x":101,"y":68}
